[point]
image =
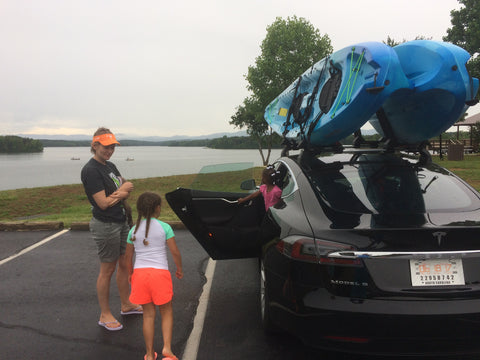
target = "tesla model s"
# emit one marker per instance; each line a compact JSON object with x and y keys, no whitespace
{"x":367,"y":251}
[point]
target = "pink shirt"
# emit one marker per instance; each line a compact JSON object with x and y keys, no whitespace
{"x":271,"y":197}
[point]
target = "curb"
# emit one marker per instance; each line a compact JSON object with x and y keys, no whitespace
{"x":58,"y":225}
{"x":31,"y":226}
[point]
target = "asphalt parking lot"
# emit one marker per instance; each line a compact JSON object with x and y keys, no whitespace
{"x":48,"y":299}
{"x":49,"y":307}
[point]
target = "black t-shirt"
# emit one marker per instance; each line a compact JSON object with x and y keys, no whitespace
{"x":97,"y":177}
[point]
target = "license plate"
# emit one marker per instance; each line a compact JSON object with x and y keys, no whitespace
{"x":437,"y":272}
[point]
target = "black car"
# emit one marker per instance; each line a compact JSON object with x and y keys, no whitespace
{"x":368,"y":251}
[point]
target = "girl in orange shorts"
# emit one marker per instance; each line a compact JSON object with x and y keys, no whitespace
{"x":150,"y":278}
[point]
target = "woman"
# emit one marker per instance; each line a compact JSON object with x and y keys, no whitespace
{"x":107,"y":190}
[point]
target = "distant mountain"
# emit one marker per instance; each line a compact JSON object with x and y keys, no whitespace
{"x":181,"y":137}
{"x":78,"y":137}
{"x":82,"y":137}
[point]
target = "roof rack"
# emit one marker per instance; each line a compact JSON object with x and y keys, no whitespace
{"x":388,"y":143}
{"x":362,"y":147}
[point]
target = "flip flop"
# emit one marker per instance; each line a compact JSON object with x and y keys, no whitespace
{"x":137,"y":311}
{"x":145,"y":357}
{"x":169,"y":357}
{"x":109,"y":328}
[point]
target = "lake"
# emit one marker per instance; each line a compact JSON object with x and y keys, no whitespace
{"x":55,"y":165}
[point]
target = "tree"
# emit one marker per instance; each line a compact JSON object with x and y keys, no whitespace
{"x":250,"y":115}
{"x":14,"y":144}
{"x":465,"y":32}
{"x":475,"y":137}
{"x":290,"y":47}
{"x":391,"y":42}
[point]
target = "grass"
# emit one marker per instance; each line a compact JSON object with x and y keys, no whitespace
{"x":68,"y":203}
{"x":468,"y":169}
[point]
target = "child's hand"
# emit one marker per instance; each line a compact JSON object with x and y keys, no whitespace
{"x":179,"y":274}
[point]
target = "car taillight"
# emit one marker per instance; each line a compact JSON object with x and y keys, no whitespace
{"x":298,"y":248}
{"x":326,"y":247}
{"x":315,"y":250}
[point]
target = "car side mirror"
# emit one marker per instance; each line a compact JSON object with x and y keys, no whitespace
{"x":248,"y":185}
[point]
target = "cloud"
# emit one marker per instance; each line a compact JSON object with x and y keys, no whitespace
{"x":157,"y":68}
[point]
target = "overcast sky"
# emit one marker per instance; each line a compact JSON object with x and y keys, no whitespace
{"x":164,"y":68}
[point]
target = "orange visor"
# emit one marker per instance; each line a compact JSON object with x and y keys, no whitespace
{"x":105,"y":139}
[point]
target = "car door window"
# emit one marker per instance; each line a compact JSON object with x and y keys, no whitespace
{"x":286,"y":181}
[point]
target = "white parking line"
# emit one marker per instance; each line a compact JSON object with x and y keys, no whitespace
{"x":193,"y":342}
{"x":34,"y":246}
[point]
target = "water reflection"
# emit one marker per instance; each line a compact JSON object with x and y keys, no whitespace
{"x":55,"y":167}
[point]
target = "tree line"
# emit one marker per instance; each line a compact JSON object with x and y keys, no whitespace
{"x":233,"y":142}
{"x":16,"y":144}
{"x":11,"y":144}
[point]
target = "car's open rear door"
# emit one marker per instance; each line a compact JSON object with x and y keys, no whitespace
{"x":224,"y":228}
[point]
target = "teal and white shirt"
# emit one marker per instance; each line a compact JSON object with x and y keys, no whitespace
{"x":153,"y":255}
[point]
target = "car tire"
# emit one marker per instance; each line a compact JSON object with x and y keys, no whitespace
{"x":268,"y":326}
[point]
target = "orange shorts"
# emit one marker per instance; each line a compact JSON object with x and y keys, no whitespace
{"x":151,"y":286}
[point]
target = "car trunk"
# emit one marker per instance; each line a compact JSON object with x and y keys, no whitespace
{"x":428,"y":262}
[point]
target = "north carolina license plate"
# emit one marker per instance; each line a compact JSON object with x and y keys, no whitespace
{"x":437,"y":272}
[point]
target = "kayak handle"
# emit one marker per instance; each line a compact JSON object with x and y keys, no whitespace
{"x":375,"y":90}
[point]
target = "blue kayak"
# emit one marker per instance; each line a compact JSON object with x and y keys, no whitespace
{"x":440,"y":91}
{"x":338,"y":94}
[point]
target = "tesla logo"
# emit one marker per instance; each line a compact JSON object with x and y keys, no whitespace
{"x":439,"y":235}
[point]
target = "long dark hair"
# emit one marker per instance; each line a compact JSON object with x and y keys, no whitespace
{"x":146,"y":205}
{"x":270,"y":173}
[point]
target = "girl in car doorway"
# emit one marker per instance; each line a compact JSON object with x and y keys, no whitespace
{"x":271,"y":192}
{"x":150,"y":278}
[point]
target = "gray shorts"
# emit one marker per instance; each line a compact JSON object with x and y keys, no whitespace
{"x":111,"y":239}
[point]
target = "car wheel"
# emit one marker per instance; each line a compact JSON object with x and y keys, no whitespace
{"x":267,"y":323}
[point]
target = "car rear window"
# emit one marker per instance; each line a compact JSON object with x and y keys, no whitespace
{"x":387,"y":184}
